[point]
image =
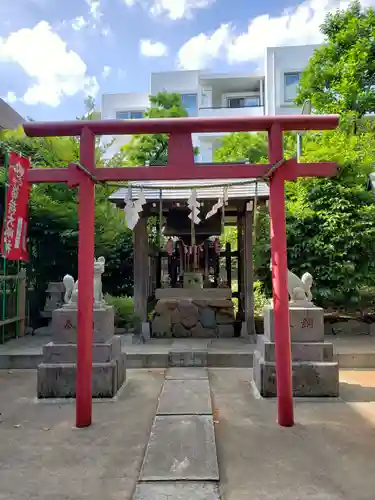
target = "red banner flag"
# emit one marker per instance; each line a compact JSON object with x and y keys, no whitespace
{"x":14,"y":237}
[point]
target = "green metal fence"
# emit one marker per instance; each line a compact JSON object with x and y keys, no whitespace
{"x":13,"y":305}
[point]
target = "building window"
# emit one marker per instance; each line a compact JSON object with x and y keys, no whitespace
{"x":189,"y":102}
{"x":290,"y":85}
{"x":129,"y":115}
{"x":243,"y":102}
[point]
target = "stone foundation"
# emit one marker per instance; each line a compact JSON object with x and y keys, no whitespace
{"x":57,"y":372}
{"x":314,"y":373}
{"x":196,"y":317}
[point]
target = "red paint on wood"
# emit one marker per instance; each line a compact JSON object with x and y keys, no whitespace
{"x":182,"y":125}
{"x":280,"y":283}
{"x":180,"y":155}
{"x":85,"y":282}
{"x":176,"y":172}
{"x":180,"y":150}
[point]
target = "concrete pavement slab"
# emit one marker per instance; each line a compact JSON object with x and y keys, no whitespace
{"x":186,"y":373}
{"x":181,"y":448}
{"x":185,"y":397}
{"x":327,"y":455}
{"x":43,"y":456}
{"x":176,"y":491}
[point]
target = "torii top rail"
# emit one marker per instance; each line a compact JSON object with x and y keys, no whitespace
{"x":181,"y":166}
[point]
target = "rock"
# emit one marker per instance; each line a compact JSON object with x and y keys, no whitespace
{"x":162,"y":326}
{"x":200,"y":331}
{"x":226,"y":312}
{"x":180,"y":331}
{"x":224,"y":319}
{"x":175,"y":316}
{"x":221,"y":303}
{"x":350,"y":327}
{"x":165,"y":305}
{"x":189,"y":314}
{"x":207,"y":318}
{"x":225,"y":331}
{"x":200,"y":303}
{"x":190,"y":321}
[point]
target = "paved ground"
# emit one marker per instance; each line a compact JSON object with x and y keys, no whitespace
{"x":327,"y":455}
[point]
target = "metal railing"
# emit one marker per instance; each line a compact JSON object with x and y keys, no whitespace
{"x":13,"y":305}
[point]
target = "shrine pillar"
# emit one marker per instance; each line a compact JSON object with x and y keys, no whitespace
{"x":248,"y":272}
{"x":141,"y":269}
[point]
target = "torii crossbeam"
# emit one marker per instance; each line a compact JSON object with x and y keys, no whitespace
{"x":181,"y":166}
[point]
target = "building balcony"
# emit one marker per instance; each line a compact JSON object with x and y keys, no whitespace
{"x":225,"y":111}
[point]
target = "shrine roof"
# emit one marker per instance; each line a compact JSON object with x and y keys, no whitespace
{"x":241,"y":189}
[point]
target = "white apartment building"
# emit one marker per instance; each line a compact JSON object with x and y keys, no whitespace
{"x":270,"y":92}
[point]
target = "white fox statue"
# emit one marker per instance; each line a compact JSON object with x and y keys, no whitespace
{"x":71,"y":287}
{"x":299,"y":289}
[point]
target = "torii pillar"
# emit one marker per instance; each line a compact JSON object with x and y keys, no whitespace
{"x":181,"y":166}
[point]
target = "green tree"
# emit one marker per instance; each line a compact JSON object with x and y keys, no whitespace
{"x":340,"y":76}
{"x":53,"y":225}
{"x":153,"y":148}
{"x":330,"y":222}
{"x":242,"y":146}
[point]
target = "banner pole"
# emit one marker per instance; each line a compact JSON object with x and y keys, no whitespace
{"x":4,"y":283}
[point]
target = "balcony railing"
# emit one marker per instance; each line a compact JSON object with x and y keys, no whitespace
{"x":225,"y":111}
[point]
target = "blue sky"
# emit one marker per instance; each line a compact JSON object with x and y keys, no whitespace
{"x":54,"y":52}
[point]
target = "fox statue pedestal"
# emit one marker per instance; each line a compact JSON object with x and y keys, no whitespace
{"x":57,"y":372}
{"x":314,"y":372}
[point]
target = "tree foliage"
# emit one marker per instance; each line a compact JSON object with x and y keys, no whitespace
{"x":242,"y":146}
{"x":340,"y":76}
{"x":153,"y":148}
{"x":53,"y":225}
{"x":330,"y":222}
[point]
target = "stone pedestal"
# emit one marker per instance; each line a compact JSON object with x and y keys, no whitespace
{"x":200,"y":313}
{"x":314,"y":372}
{"x":57,"y":372}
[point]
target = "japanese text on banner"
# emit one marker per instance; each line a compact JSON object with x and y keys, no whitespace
{"x":14,"y":237}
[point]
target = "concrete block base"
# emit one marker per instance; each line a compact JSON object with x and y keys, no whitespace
{"x":301,"y":351}
{"x":309,"y":378}
{"x":58,"y":380}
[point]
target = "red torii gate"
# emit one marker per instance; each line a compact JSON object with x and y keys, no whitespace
{"x":181,"y":166}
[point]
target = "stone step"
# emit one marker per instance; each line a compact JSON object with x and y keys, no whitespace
{"x":222,"y":359}
{"x":301,"y":351}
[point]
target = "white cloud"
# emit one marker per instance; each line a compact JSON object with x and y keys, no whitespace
{"x":173,"y":9}
{"x":79,"y":23}
{"x":296,"y":25}
{"x":93,"y":18}
{"x":152,"y":49}
{"x":106,"y":71}
{"x":94,"y":6}
{"x":178,"y":9}
{"x":44,"y":56}
{"x":197,"y":52}
{"x":11,"y":97}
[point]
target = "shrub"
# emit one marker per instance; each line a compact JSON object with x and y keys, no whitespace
{"x":260,"y":299}
{"x":124,"y":311}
